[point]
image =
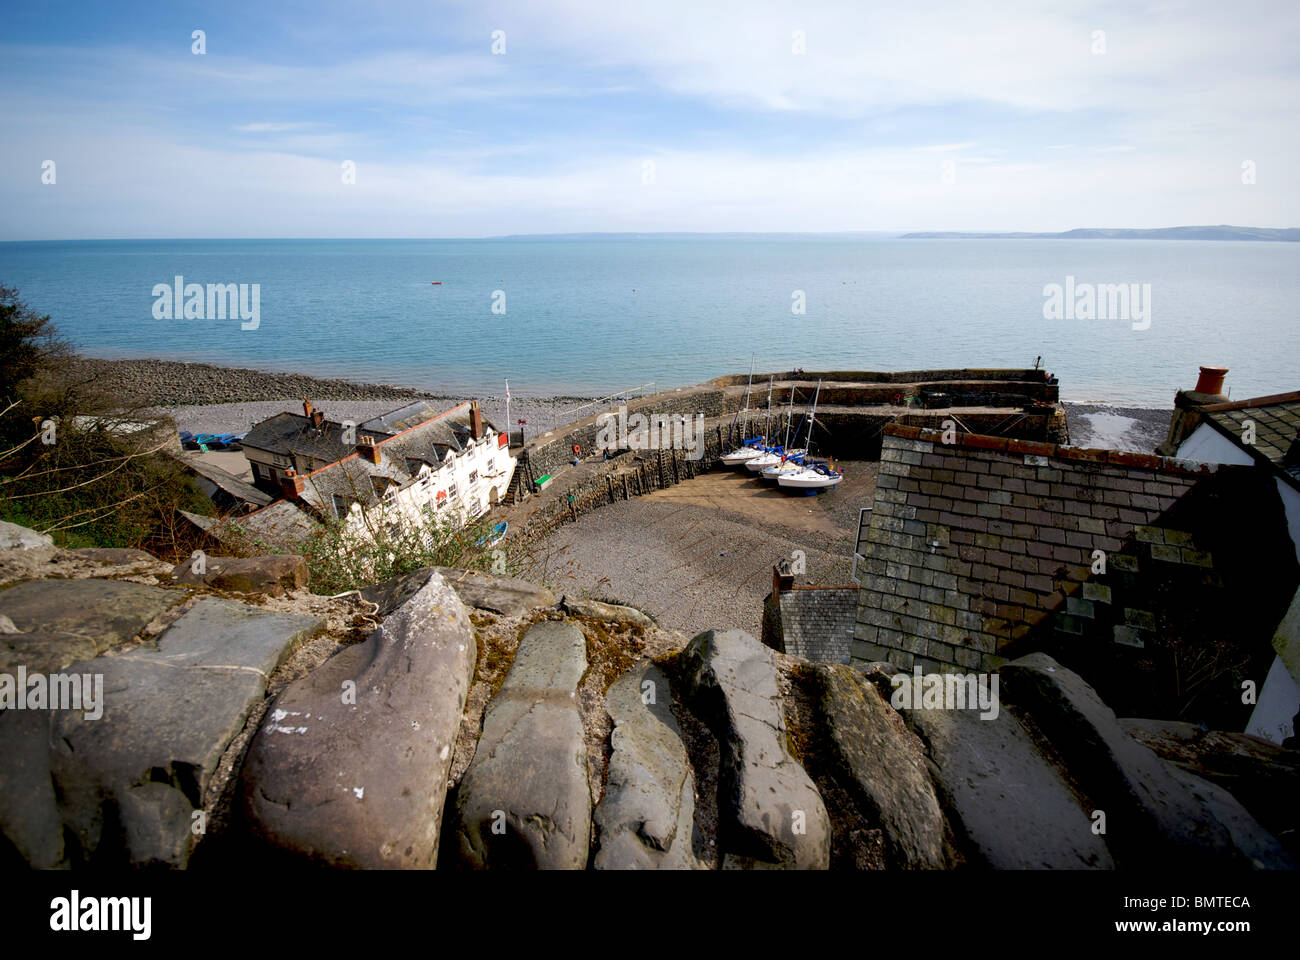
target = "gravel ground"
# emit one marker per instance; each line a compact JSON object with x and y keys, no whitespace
{"x":692,"y":568}
{"x":204,"y":398}
{"x":1135,"y":429}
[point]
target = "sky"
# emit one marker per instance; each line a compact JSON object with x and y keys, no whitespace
{"x":489,"y":118}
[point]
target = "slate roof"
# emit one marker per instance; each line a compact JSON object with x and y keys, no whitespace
{"x":412,"y":415}
{"x":817,"y":621}
{"x":1277,"y":426}
{"x":224,"y":480}
{"x":429,"y":441}
{"x":984,"y":548}
{"x":282,"y":525}
{"x":292,"y":433}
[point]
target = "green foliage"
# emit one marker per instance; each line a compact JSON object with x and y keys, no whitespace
{"x":342,"y":558}
{"x":75,"y":463}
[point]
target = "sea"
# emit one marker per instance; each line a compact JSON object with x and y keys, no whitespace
{"x":593,"y":316}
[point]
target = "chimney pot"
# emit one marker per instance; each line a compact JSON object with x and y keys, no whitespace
{"x":317,"y":419}
{"x":367,"y":447}
{"x":307,"y":408}
{"x":1211,"y":380}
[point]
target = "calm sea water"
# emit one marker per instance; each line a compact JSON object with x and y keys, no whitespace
{"x":597,"y":316}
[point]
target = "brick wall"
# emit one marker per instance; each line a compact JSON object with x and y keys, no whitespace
{"x":985,"y":548}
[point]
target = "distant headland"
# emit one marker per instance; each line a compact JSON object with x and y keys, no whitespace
{"x":1220,"y":232}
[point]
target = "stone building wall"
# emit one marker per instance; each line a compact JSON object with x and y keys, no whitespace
{"x":989,"y":548}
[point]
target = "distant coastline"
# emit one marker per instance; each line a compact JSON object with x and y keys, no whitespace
{"x":1221,"y":232}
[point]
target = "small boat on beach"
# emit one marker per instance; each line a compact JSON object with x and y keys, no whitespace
{"x":811,"y":479}
{"x":811,"y":476}
{"x":496,"y":536}
{"x":742,"y":455}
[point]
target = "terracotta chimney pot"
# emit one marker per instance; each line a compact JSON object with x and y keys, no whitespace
{"x":1211,"y":380}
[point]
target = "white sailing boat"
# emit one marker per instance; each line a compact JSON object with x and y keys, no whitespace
{"x":811,"y":477}
{"x":777,"y":456}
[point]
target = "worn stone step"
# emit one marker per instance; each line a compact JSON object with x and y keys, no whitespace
{"x":360,"y":781}
{"x":61,"y":621}
{"x":524,"y":801}
{"x":129,"y":781}
{"x":645,"y":820}
{"x":768,"y":808}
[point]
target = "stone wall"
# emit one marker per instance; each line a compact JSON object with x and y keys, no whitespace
{"x":989,"y":547}
{"x":551,"y":451}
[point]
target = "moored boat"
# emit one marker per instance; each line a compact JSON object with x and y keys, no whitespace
{"x":819,"y":476}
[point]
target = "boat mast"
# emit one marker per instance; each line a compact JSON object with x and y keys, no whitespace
{"x":767,"y":432}
{"x":812,"y":418}
{"x":748,"y":387}
{"x":788,"y":418}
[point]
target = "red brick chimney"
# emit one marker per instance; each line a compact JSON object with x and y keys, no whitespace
{"x":307,"y":408}
{"x":292,"y":485}
{"x":475,"y":421}
{"x":367,"y":447}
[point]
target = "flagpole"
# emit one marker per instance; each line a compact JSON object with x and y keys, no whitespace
{"x":508,"y":421}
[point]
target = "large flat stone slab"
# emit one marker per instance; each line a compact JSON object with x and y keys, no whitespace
{"x":881,"y":764}
{"x":1010,"y":805}
{"x":361,"y":781}
{"x":1262,"y":776}
{"x":130,"y":781}
{"x":524,"y":800}
{"x":273,"y":575}
{"x":645,"y":820}
{"x":1152,"y":816}
{"x":62,"y":621}
{"x":768,"y":808}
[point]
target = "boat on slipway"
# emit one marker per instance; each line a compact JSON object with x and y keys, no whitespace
{"x":777,"y":456}
{"x":743,"y":454}
{"x":811,"y":477}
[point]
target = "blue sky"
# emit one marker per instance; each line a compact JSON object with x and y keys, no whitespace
{"x":677,"y":115}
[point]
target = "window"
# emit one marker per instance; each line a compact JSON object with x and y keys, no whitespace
{"x":451,"y":492}
{"x":341,"y":506}
{"x":492,"y":465}
{"x":473,"y":476}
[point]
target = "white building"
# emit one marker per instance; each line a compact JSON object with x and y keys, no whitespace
{"x":411,"y":466}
